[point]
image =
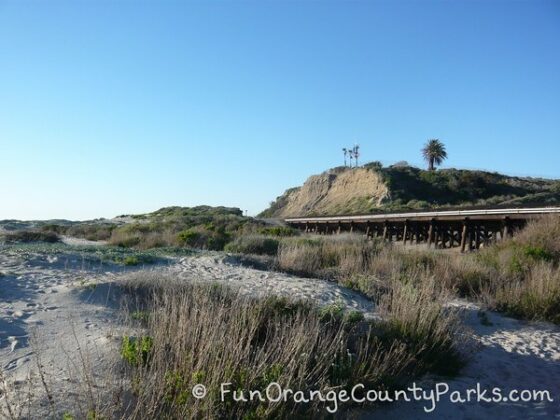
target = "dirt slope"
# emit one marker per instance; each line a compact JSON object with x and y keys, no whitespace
{"x":372,"y":188}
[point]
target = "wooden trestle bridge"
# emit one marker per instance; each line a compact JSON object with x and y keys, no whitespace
{"x":467,"y":229}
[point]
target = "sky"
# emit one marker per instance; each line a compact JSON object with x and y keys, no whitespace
{"x":120,"y":107}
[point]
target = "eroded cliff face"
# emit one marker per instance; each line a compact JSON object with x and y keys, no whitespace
{"x":406,"y":188}
{"x":338,"y":191}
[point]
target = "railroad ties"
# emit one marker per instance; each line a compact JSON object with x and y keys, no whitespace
{"x":466,"y":229}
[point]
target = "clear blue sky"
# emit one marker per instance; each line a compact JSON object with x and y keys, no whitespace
{"x":111,"y":107}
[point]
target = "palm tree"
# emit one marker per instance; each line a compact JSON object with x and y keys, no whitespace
{"x":345,"y":150}
{"x":356,"y":153}
{"x":434,"y":153}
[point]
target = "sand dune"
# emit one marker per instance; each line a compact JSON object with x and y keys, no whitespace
{"x":57,"y":306}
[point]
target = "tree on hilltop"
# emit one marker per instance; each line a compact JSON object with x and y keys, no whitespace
{"x":434,"y":153}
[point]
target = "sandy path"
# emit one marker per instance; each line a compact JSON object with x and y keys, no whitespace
{"x":251,"y":281}
{"x":53,"y":307}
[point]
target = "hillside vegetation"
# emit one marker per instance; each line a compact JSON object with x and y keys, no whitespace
{"x":373,"y":188}
{"x":201,"y":227}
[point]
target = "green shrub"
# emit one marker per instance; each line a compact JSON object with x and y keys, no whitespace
{"x":253,"y":244}
{"x":131,"y":260}
{"x":140,"y":315}
{"x":280,"y":231}
{"x":375,"y":165}
{"x":538,"y":253}
{"x":334,"y":311}
{"x":134,"y":260}
{"x":136,"y":350}
{"x":201,"y":227}
{"x":354,"y":316}
{"x":24,"y":236}
{"x":189,"y":237}
{"x":204,"y":238}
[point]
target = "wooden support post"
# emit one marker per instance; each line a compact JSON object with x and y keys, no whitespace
{"x":477,"y":237}
{"x":464,"y":234}
{"x":385,"y":229}
{"x":507,"y":228}
{"x":368,"y":230}
{"x":339,"y":228}
{"x":431,"y":233}
{"x":351,"y":227}
{"x":405,"y":231}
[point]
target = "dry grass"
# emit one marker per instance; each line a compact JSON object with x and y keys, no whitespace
{"x":518,"y":276}
{"x":143,"y":241}
{"x":326,"y":256}
{"x":253,"y":244}
{"x":543,"y":233}
{"x":209,"y":334}
{"x":536,"y":297}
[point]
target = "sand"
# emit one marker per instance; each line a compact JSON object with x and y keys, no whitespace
{"x":509,"y":354}
{"x":249,"y":281}
{"x":62,"y":307}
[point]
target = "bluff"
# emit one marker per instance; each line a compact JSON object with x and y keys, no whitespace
{"x":372,"y":188}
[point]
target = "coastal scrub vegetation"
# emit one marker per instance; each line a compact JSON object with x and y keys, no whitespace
{"x":519,"y":276}
{"x":202,"y":227}
{"x":253,"y":341}
{"x":27,"y":236}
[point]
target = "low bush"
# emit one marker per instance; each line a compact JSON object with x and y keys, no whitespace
{"x":89,"y":231}
{"x":25,"y":236}
{"x":204,"y":237}
{"x":542,"y":234}
{"x":253,"y":244}
{"x":280,"y":231}
{"x":136,"y":350}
